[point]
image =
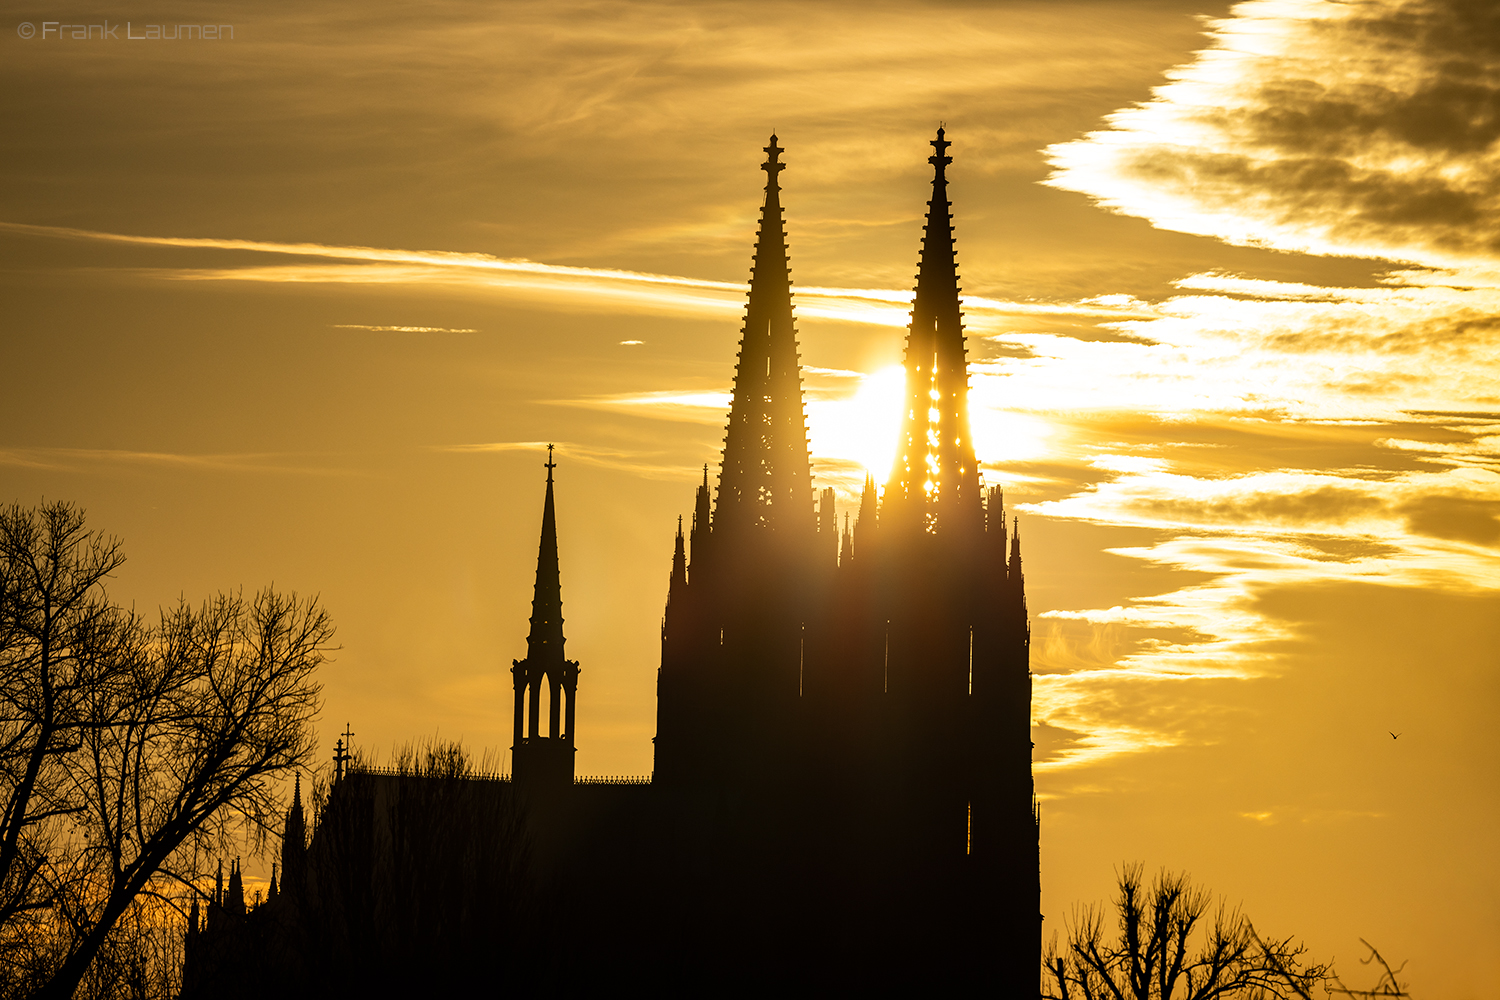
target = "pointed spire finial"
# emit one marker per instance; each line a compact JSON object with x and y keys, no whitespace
{"x":550,"y":464}
{"x":679,"y":564}
{"x":942,"y":159}
{"x":773,"y":164}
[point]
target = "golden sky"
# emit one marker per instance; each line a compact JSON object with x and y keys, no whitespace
{"x":306,"y":307}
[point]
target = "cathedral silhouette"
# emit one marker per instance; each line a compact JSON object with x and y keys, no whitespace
{"x":842,"y":793}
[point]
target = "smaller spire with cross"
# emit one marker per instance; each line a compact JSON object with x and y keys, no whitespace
{"x":537,"y":753}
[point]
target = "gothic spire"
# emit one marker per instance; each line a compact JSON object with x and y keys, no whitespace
{"x":545,"y":643}
{"x":235,"y":894}
{"x":935,"y":481}
{"x":545,"y":760}
{"x":766,"y":481}
{"x":699,"y":532}
{"x":865,"y":523}
{"x":679,"y":565}
{"x":828,"y":525}
{"x":995,"y":533}
{"x":294,"y":843}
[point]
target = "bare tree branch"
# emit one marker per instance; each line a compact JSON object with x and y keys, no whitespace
{"x":1161,"y":950}
{"x":1388,"y":985}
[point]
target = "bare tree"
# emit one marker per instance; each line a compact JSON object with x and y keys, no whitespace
{"x":60,"y":639}
{"x":138,"y":750}
{"x":1164,"y":949}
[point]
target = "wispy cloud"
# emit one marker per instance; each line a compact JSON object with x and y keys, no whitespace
{"x":607,"y":287}
{"x":1243,"y":535}
{"x":91,"y":459}
{"x":400,"y":329}
{"x":641,"y":462}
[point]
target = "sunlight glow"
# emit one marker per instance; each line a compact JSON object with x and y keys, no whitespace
{"x":861,"y":427}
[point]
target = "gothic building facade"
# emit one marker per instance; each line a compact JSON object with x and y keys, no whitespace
{"x":866,"y":696}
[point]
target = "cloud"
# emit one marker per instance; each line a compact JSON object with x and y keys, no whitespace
{"x":1456,"y":518}
{"x":703,"y":407}
{"x":1112,"y":674}
{"x":74,"y":459}
{"x":1404,"y":510}
{"x":401,"y":329}
{"x":639,"y":462}
{"x":1280,"y":350}
{"x":588,"y":287}
{"x":1355,"y":129}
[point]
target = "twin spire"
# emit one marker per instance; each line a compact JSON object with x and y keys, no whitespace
{"x":767,"y":473}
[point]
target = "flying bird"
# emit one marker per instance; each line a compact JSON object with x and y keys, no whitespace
{"x":1394,"y":736}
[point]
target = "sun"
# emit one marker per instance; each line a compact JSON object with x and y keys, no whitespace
{"x":863,"y":427}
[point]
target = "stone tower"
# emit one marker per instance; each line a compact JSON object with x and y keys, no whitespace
{"x":543,"y":762}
